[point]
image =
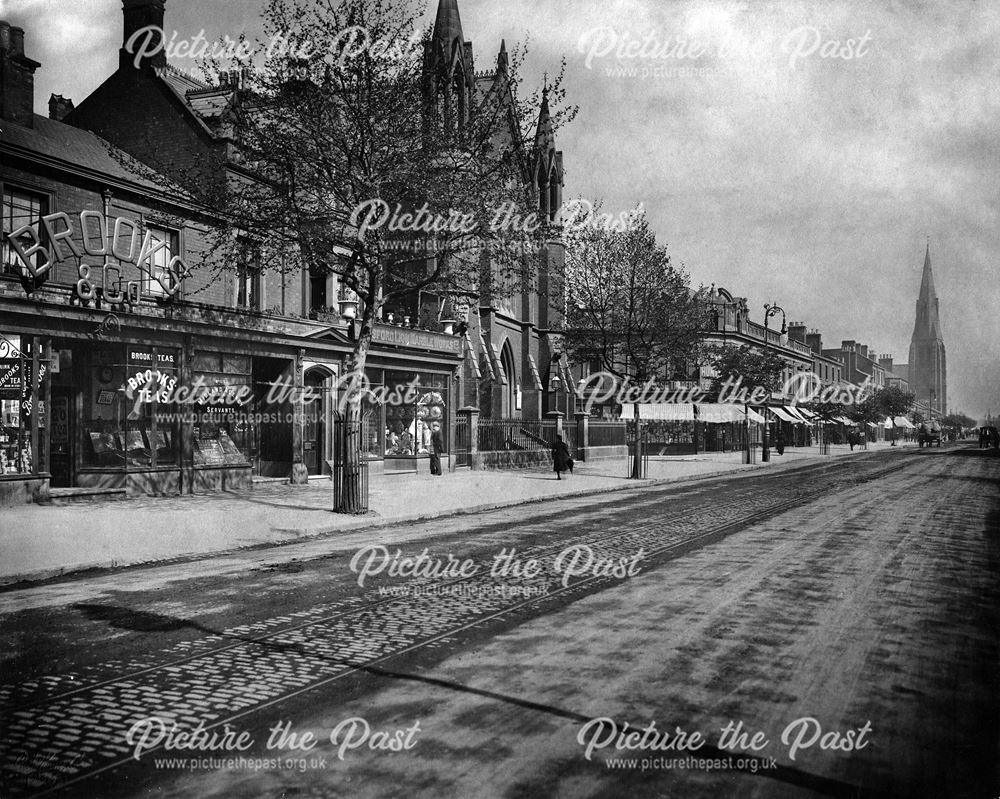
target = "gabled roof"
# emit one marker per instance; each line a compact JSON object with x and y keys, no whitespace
{"x":206,"y":104}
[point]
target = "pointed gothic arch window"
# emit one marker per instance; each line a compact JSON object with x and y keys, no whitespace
{"x":509,"y":398}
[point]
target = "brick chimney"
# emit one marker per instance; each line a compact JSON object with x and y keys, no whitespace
{"x":797,"y":332}
{"x":17,"y":77}
{"x":59,"y":106}
{"x":864,"y":350}
{"x":815,"y":342}
{"x":143,"y":34}
{"x":885,"y":361}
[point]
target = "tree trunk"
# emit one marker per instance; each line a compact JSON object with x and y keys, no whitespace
{"x":352,"y":495}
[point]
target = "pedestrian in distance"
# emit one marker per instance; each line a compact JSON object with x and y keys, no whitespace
{"x":437,"y":447}
{"x":560,"y":457}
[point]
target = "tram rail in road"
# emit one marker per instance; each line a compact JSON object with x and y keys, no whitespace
{"x":277,"y":660}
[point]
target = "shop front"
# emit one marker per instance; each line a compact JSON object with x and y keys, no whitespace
{"x":412,"y":379}
{"x":24,"y":425}
{"x":398,"y":430}
{"x":129,"y":420}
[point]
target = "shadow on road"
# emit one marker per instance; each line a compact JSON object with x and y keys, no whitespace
{"x":147,"y":622}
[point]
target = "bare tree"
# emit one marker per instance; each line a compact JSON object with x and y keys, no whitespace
{"x":627,"y":310}
{"x":352,"y":151}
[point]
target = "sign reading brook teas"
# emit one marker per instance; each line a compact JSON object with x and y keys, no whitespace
{"x":116,"y":238}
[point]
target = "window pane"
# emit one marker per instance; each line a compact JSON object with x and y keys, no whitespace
{"x":19,"y":209}
{"x":159,"y":260}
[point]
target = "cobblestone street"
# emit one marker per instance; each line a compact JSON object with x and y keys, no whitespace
{"x":759,"y":599}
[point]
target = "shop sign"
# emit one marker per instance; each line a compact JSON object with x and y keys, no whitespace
{"x":405,"y":337}
{"x":10,"y":373}
{"x":150,"y":384}
{"x":26,"y":404}
{"x":60,"y":420}
{"x":144,"y":357}
{"x":94,"y":233}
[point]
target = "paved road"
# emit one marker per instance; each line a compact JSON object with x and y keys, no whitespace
{"x":862,"y":595}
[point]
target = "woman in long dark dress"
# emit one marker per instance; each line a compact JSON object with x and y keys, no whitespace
{"x":560,"y":457}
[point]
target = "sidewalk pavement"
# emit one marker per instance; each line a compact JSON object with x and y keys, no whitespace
{"x":37,"y":542}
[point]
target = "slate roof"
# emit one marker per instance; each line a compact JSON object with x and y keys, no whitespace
{"x":81,"y":148}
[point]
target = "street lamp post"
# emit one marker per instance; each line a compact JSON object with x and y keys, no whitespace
{"x":770,"y":309}
{"x":555,"y":386}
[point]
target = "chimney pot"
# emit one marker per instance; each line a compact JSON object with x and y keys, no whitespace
{"x":16,"y":41}
{"x":17,"y":77}
{"x":59,"y":106}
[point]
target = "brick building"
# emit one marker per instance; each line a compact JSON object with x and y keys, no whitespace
{"x":89,"y":319}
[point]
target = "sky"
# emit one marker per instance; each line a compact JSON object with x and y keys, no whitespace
{"x":797,"y":153}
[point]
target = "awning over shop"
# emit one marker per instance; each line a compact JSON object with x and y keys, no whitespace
{"x":785,"y":416}
{"x":754,"y":416}
{"x":872,"y":424}
{"x":797,"y":413}
{"x":662,"y":412}
{"x":902,"y":421}
{"x":718,"y":413}
{"x":844,"y":420}
{"x":806,"y":414}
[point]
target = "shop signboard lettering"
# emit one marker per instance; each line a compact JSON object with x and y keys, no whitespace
{"x":144,"y":357}
{"x":10,"y":374}
{"x":60,"y":420}
{"x":119,"y":239}
{"x":405,"y":337}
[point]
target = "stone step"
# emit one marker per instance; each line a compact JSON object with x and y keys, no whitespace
{"x":70,"y":496}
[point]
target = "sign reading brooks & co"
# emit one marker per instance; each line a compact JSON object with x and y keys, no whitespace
{"x":101,"y":237}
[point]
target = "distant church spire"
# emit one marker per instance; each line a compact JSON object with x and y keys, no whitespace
{"x":927,"y":324}
{"x":928,"y":376}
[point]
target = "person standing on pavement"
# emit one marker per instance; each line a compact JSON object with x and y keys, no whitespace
{"x":560,"y":457}
{"x":437,"y":447}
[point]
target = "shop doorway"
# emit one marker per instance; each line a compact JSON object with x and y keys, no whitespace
{"x":315,"y":448}
{"x":62,"y":452}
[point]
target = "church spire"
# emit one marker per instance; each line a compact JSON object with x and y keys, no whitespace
{"x":927,"y":370}
{"x":927,"y":325}
{"x":545,"y":137}
{"x":448,"y":25}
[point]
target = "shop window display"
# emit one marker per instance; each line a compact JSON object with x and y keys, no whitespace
{"x":410,"y":425}
{"x":371,"y":440}
{"x":223,"y":432}
{"x":126,"y":422}
{"x":16,"y":406}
